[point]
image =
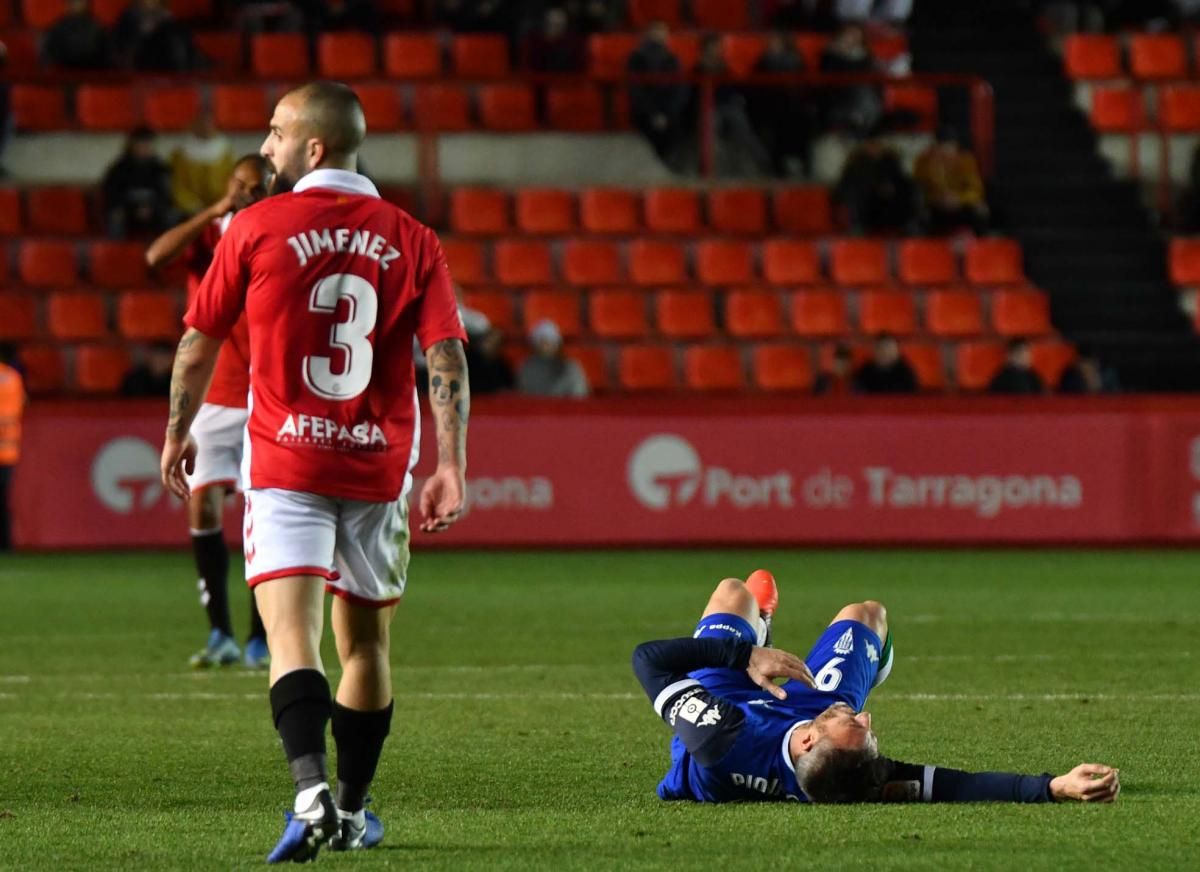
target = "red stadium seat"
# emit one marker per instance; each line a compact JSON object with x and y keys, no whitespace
{"x":575,"y":107}
{"x":918,"y":100}
{"x":72,"y":315}
{"x":686,"y":47}
{"x":819,"y":313}
{"x":507,"y":107}
{"x":927,"y":262}
{"x":617,"y":314}
{"x":859,"y":262}
{"x":804,"y":211}
{"x":43,"y":263}
{"x":1088,"y":56}
{"x":738,"y":210}
{"x":44,"y":369}
{"x":647,"y":368}
{"x":240,"y":107}
{"x":994,"y":262}
{"x":1184,"y":260}
{"x":346,"y":55}
{"x":106,"y":107}
{"x":644,"y":12}
{"x":1157,"y":56}
{"x":117,"y":264}
{"x":927,"y":362}
{"x":976,"y":364}
{"x":791,"y":262}
{"x":466,"y":262}
{"x":190,"y":9}
{"x":742,"y":51}
{"x":223,"y":48}
{"x":684,"y":314}
{"x":1117,"y":109}
{"x":713,"y":368}
{"x":887,"y":312}
{"x":279,"y":55}
{"x":148,"y":316}
{"x":561,"y":307}
{"x":10,"y":216}
{"x":1021,"y":313}
{"x":522,"y":262}
{"x":382,"y":106}
{"x":592,"y":262}
{"x":720,"y":14}
{"x":100,"y":369}
{"x":752,"y":314}
{"x":545,"y":211}
{"x":657,"y":263}
{"x":1179,"y":108}
{"x":1050,"y":358}
{"x":498,"y":306}
{"x":18,"y":316}
{"x":593,"y":360}
{"x":41,"y":14}
{"x":724,"y":262}
{"x":479,"y":211}
{"x":412,"y":56}
{"x":673,"y":210}
{"x":609,"y":210}
{"x":38,"y":107}
{"x":56,"y":209}
{"x":954,"y":314}
{"x":441,"y":107}
{"x":479,"y":56}
{"x":781,"y":368}
{"x":887,"y":45}
{"x":170,"y":108}
{"x":609,"y":53}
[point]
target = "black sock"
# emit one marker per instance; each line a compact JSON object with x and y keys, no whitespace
{"x":212,"y":562}
{"x":300,"y":706}
{"x":257,"y":630}
{"x":359,"y":737}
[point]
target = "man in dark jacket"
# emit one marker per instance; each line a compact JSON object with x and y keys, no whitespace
{"x":658,"y":110}
{"x":77,"y":41}
{"x":887,"y":372}
{"x":137,"y":189}
{"x":1017,"y":376}
{"x":783,"y":113}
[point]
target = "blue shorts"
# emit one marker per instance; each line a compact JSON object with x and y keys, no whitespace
{"x":844,"y":662}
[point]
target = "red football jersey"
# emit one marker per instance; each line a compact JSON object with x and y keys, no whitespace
{"x":335,"y":284}
{"x":231,"y":377}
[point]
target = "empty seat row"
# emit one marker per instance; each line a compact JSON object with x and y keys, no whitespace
{"x":1123,"y":109}
{"x":722,"y":262}
{"x":1149,"y":56}
{"x":141,"y":315}
{"x":690,"y":314}
{"x":45,"y":263}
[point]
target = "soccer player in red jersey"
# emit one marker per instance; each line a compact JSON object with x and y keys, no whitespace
{"x":221,"y":421}
{"x":335,"y":283}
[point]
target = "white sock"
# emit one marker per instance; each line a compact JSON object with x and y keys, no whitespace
{"x":762,"y":632}
{"x":305,"y":798}
{"x":358,"y":818}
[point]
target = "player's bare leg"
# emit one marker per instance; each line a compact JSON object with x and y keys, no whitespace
{"x":362,"y":715}
{"x":874,"y":615}
{"x":734,"y":597}
{"x":292,"y":609}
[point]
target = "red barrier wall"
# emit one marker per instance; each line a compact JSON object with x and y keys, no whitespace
{"x":694,"y":472}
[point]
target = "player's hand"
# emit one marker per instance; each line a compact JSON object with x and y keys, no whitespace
{"x":178,"y":462}
{"x":767,"y":664}
{"x":1087,"y":782}
{"x":443,"y":499}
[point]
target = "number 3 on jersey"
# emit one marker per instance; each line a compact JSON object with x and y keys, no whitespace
{"x":350,"y":336}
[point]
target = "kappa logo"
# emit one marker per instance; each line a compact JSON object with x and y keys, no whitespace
{"x":845,"y":644}
{"x":125,"y":475}
{"x":872,"y":654}
{"x":711,"y":717}
{"x":665,"y":471}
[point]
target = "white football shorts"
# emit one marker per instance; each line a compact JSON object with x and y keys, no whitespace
{"x":360,"y":548}
{"x":218,"y":431}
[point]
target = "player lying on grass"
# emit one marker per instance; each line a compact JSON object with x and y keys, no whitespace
{"x":740,"y":736}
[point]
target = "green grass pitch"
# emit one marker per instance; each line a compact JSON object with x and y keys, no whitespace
{"x":522,"y":741}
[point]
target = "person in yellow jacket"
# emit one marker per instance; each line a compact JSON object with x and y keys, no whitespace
{"x":12,"y":404}
{"x":949,"y":178}
{"x":200,"y":167}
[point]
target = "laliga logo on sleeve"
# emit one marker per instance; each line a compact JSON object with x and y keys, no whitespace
{"x":125,"y":475}
{"x":661,"y":466}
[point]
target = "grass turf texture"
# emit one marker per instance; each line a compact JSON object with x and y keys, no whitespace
{"x":521,"y":739}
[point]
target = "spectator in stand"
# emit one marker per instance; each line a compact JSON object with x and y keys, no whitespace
{"x":152,"y":376}
{"x":201,"y":166}
{"x":596,"y":16}
{"x":147,"y":37}
{"x":1088,"y":375}
{"x":554,"y":48}
{"x":136,"y":190}
{"x":12,"y":407}
{"x":783,"y":113}
{"x":887,"y":372}
{"x":549,"y":373}
{"x":1017,"y":376}
{"x":326,"y":15}
{"x":734,"y":134}
{"x":478,"y":16}
{"x":659,"y":110}
{"x":857,"y":108}
{"x":838,"y":380}
{"x":873,"y":192}
{"x":257,"y":16}
{"x":77,"y":41}
{"x":490,"y":372}
{"x":949,"y":179}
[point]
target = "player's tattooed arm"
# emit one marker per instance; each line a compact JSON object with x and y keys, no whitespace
{"x":450,"y":399}
{"x":194,"y":361}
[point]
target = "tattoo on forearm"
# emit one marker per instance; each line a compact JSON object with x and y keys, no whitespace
{"x":183,"y":397}
{"x":450,"y":397}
